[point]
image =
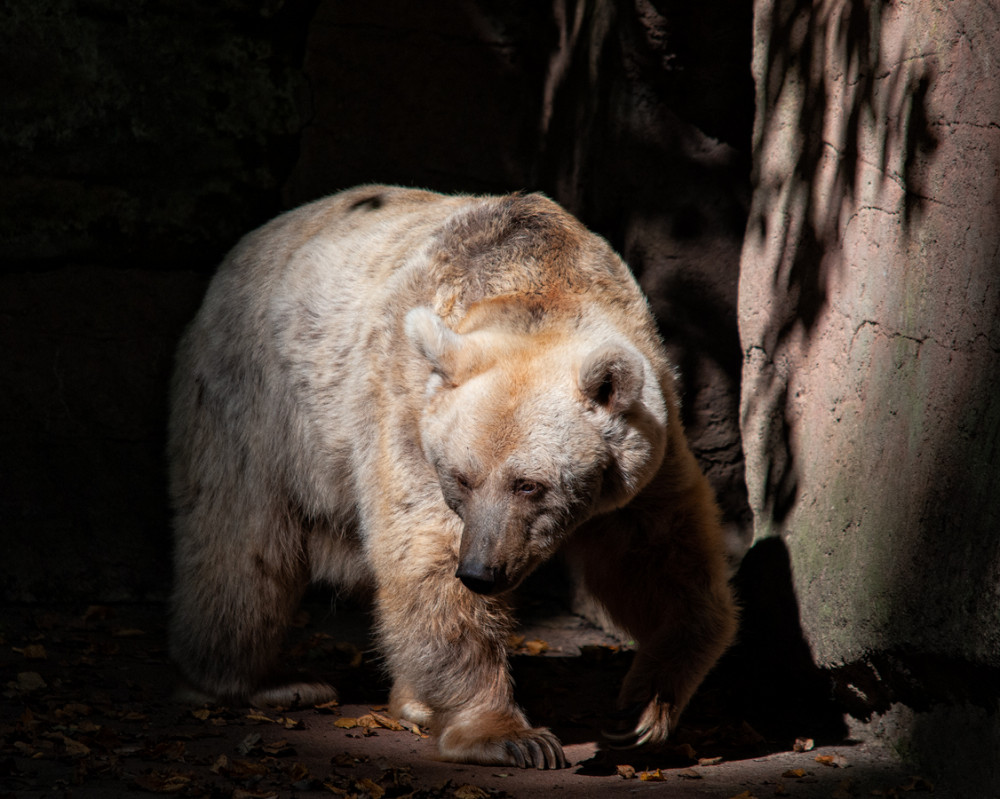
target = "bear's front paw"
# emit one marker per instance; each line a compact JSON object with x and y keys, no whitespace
{"x":528,"y":748}
{"x":639,"y":724}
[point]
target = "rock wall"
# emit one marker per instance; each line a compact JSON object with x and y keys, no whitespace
{"x":869,"y":313}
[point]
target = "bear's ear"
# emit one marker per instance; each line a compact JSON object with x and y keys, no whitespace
{"x":612,"y":376}
{"x":432,"y":338}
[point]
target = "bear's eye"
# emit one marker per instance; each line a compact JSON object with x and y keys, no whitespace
{"x":463,"y":482}
{"x":527,"y":488}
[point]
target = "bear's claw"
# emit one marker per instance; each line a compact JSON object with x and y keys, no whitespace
{"x":638,"y":725}
{"x":541,"y":749}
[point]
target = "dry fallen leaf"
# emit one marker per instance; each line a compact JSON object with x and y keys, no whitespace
{"x":244,"y":769}
{"x":470,"y":792}
{"x":536,"y":646}
{"x":414,"y":728}
{"x":32,"y":651}
{"x":709,"y":761}
{"x":221,"y":764}
{"x":278,"y":748}
{"x":344,"y":760}
{"x":917,"y":784}
{"x":249,"y":743}
{"x":241,"y":793}
{"x":162,"y":781}
{"x":689,"y":774}
{"x":387,"y":722}
{"x":834,"y":761}
{"x":201,"y":713}
{"x":626,"y":772}
{"x":28,"y":681}
{"x":652,"y":776}
{"x":803,"y":745}
{"x":794,"y":773}
{"x":373,"y":789}
{"x":72,"y":710}
{"x":346,"y":723}
{"x":75,"y":748}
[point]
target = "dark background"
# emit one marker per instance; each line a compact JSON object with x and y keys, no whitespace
{"x":141,"y":140}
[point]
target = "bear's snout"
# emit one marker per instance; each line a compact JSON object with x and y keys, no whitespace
{"x":479,"y":578}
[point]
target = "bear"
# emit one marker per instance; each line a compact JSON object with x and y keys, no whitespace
{"x":424,"y":397}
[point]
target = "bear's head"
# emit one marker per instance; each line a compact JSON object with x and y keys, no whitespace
{"x":531,"y":434}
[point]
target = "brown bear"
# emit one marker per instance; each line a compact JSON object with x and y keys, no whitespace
{"x":428,"y":396}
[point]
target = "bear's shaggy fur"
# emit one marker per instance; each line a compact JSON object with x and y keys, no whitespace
{"x":428,"y":396}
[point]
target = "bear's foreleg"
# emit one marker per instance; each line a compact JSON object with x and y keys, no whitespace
{"x":447,"y":653}
{"x":661,"y":574}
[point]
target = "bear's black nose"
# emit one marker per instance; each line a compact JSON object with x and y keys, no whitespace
{"x":477,"y":577}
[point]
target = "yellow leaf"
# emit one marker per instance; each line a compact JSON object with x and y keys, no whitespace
{"x":794,"y":773}
{"x":652,"y":776}
{"x":201,"y":713}
{"x":626,"y":772}
{"x":388,"y":723}
{"x":346,"y":723}
{"x":536,"y":647}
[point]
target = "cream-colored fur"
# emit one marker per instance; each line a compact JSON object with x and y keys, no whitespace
{"x":426,"y":397}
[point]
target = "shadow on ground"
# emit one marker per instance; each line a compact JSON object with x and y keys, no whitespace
{"x":87,"y":712}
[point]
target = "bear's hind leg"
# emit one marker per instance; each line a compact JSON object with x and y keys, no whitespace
{"x":240,"y":574}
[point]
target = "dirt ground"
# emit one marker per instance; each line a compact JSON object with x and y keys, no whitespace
{"x":87,"y":711}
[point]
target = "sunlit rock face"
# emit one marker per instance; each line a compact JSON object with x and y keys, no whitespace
{"x":869,"y":313}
